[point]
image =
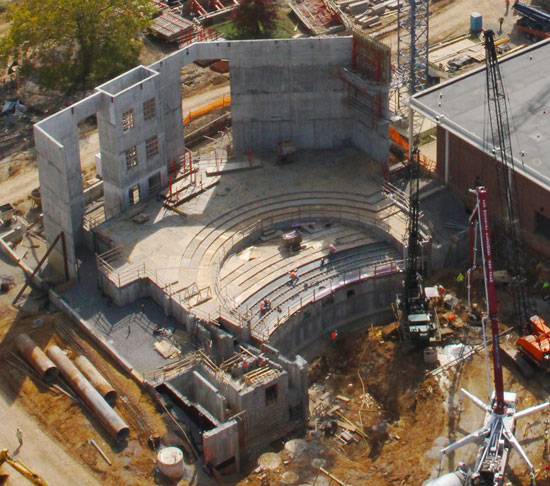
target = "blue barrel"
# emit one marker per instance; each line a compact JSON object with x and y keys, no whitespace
{"x":476,"y":22}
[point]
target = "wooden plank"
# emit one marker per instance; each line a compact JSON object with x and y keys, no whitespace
{"x":342,"y":398}
{"x":344,"y":425}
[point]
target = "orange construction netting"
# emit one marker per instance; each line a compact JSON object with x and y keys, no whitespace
{"x":204,"y":110}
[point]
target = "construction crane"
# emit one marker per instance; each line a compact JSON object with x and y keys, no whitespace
{"x":496,"y":436}
{"x":21,"y":468}
{"x":416,"y":321}
{"x":534,"y":334}
{"x":502,"y":149}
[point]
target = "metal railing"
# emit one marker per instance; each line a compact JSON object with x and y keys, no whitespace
{"x":268,"y":323}
{"x":129,"y":272}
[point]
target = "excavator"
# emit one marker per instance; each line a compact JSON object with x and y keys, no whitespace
{"x":34,"y":478}
{"x":535,"y":346}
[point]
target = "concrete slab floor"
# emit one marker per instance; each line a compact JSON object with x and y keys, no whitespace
{"x":130,"y":329}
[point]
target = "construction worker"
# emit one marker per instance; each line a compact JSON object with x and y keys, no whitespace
{"x":262,"y":308}
{"x":460,"y":278}
{"x":331,"y":252}
{"x":507,"y":6}
{"x":500,"y":22}
{"x":267,"y":304}
{"x":19,"y":434}
{"x":293,"y":276}
{"x":334,"y":336}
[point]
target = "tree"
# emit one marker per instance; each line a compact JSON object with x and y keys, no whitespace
{"x":255,"y":19}
{"x":73,"y":43}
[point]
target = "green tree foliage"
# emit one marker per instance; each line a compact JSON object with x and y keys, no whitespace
{"x":255,"y":19}
{"x":74,"y":43}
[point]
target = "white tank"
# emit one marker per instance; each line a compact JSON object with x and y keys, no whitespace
{"x":170,"y":462}
{"x":457,"y":478}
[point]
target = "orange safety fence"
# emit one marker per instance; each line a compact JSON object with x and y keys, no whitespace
{"x":204,"y":110}
{"x":398,"y":139}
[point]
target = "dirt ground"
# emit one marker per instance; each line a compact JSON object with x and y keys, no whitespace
{"x":62,"y":421}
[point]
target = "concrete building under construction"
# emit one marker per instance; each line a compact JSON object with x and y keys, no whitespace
{"x":217,"y":308}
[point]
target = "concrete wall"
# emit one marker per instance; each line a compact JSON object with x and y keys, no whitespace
{"x":371,"y":300}
{"x":266,"y":422}
{"x":60,"y":177}
{"x":208,"y":396}
{"x":221,"y":444}
{"x":281,"y":90}
{"x":128,"y":93}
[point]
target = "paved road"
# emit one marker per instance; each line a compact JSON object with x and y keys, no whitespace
{"x":40,"y":453}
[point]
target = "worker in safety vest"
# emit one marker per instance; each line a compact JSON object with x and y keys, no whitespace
{"x":334,"y":336}
{"x":460,"y":278}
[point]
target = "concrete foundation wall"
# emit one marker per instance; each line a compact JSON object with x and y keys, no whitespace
{"x":266,"y":422}
{"x":371,"y":302}
{"x":221,"y":444}
{"x":208,"y":396}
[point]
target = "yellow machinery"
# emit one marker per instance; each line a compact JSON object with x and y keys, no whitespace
{"x":21,"y":468}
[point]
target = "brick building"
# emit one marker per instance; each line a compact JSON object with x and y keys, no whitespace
{"x":464,"y":141}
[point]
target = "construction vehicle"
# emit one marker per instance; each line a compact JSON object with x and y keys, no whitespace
{"x":496,"y":436}
{"x":20,"y":468}
{"x":417,"y":322}
{"x":536,"y":345}
{"x":534,"y":22}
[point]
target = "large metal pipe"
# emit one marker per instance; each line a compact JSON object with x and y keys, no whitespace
{"x":110,"y":419}
{"x":97,"y":380}
{"x":36,"y":357}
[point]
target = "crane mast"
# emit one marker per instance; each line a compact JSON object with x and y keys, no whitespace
{"x":502,"y":149}
{"x":413,"y":286}
{"x":416,"y":321}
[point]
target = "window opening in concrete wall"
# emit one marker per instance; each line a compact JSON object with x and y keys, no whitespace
{"x":155,"y":183}
{"x":90,"y":166}
{"x":152,"y":146}
{"x":128,"y":120}
{"x":149,"y":109}
{"x":542,"y":224}
{"x":271,"y":394}
{"x":207,"y":116}
{"x":350,"y":293}
{"x":133,"y":194}
{"x":131,"y":157}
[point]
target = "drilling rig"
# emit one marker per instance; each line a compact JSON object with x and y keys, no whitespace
{"x":416,"y":321}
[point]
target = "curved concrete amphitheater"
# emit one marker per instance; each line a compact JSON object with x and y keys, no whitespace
{"x":225,"y":256}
